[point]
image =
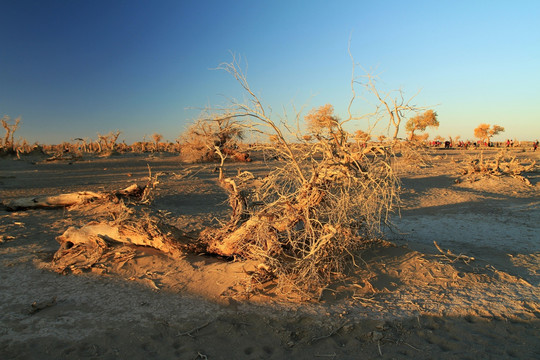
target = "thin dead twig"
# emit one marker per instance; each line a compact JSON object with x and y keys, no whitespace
{"x":201,"y":356}
{"x":333,"y":355}
{"x":412,"y":347}
{"x":189,"y":333}
{"x":450,"y":256}
{"x":330,"y":334}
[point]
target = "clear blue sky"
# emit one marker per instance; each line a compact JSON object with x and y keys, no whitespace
{"x":74,"y":68}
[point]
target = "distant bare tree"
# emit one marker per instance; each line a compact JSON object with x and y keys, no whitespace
{"x":157,"y":138}
{"x":82,"y":144}
{"x":392,"y":104}
{"x":10,"y":131}
{"x":108,"y":142}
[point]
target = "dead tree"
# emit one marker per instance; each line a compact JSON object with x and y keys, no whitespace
{"x":82,"y":248}
{"x":392,"y":104}
{"x":108,"y":142}
{"x":9,"y":143}
{"x":83,"y":144}
{"x":157,"y":138}
{"x":321,"y":202}
{"x":70,"y":199}
{"x":102,"y":241}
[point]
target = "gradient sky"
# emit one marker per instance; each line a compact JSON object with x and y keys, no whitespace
{"x":74,"y":68}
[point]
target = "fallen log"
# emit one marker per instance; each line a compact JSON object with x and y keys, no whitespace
{"x":69,"y":199}
{"x":81,"y":248}
{"x":260,"y":228}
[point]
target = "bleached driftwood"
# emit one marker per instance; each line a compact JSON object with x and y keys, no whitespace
{"x":95,"y":242}
{"x":69,"y":199}
{"x":81,"y":248}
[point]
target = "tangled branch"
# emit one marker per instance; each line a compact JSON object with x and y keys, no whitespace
{"x":323,"y":198}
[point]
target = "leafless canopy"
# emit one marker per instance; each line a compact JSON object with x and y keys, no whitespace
{"x":108,"y":141}
{"x":10,"y":131}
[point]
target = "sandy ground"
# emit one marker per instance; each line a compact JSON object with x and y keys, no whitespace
{"x":404,"y":300}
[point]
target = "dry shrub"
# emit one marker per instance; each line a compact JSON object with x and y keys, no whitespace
{"x":202,"y":141}
{"x":322,"y":200}
{"x":502,"y":164}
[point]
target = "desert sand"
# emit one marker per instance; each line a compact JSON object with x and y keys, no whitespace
{"x":404,"y":299}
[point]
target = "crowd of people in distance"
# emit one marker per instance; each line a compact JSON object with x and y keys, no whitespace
{"x":477,"y":144}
